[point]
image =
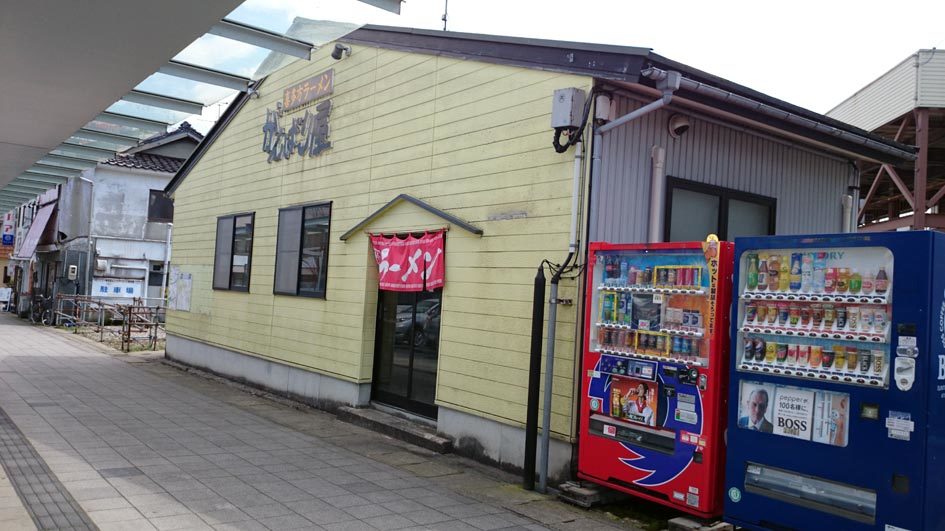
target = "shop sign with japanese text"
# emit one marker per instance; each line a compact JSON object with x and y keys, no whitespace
{"x":307,"y":135}
{"x":8,"y":229}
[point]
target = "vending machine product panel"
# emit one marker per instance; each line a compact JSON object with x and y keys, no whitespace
{"x":653,"y":371}
{"x":835,"y":368}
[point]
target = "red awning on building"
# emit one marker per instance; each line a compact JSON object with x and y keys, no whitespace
{"x":36,"y":232}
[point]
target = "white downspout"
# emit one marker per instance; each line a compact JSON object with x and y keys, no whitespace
{"x":167,"y":262}
{"x":657,"y":194}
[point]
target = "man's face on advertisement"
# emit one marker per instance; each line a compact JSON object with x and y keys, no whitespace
{"x":757,"y":405}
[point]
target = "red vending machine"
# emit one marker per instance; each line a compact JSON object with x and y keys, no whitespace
{"x":654,"y":371}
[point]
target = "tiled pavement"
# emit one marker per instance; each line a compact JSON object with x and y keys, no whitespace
{"x":145,"y":446}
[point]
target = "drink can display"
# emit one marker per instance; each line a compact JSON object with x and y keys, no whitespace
{"x":648,"y":276}
{"x":782,"y":352}
{"x":677,"y":345}
{"x":868,"y":283}
{"x":851,"y":358}
{"x":662,"y":277}
{"x":856,"y":281}
{"x":784,"y":314}
{"x":794,"y":314}
{"x":803,"y":355}
{"x":686,"y":345}
{"x":879,"y":356}
{"x":830,"y":280}
{"x":630,"y":338}
{"x":795,"y":279}
{"x":622,"y":337}
{"x":774,"y":271}
{"x":771,"y":351}
{"x":865,"y":359}
{"x":632,"y":278}
{"x":695,"y":319}
{"x":671,"y":276}
{"x":759,"y":345}
{"x":792,"y":354}
{"x":660,"y":343}
{"x":881,"y":281}
{"x":601,"y":336}
{"x":696,"y":348}
{"x":751,"y":312}
{"x":816,"y":355}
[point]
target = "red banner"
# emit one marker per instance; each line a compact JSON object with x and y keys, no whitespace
{"x":411,"y":264}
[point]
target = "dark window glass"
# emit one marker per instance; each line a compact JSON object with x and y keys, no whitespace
{"x":695,"y":210}
{"x":234,"y":250}
{"x":160,"y":207}
{"x":302,"y":251}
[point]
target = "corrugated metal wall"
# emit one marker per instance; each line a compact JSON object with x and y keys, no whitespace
{"x":931,"y":78}
{"x":885,"y":99}
{"x":808,"y":187}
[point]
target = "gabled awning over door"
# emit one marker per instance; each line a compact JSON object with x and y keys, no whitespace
{"x":35,"y":233}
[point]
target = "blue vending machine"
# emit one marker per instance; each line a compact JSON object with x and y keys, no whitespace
{"x":836,"y":410}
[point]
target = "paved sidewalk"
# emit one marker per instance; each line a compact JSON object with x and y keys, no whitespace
{"x":145,"y":446}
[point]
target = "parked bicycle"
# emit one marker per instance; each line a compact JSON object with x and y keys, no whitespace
{"x":41,"y":310}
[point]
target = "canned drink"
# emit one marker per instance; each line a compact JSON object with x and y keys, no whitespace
{"x":784,"y":314}
{"x":865,"y":360}
{"x":696,"y":347}
{"x":782,"y":352}
{"x":632,"y":276}
{"x":839,"y":356}
{"x":761,"y":311}
{"x":695,"y":319}
{"x":660,"y":343}
{"x":803,"y":355}
{"x":851,"y":358}
{"x":748,"y":349}
{"x":648,"y":276}
{"x":687,"y":279}
{"x":622,"y":337}
{"x":879,"y":321}
{"x":817,"y":314}
{"x":631,"y":336}
{"x":772,"y":314}
{"x":681,"y":276}
{"x":686,"y":317}
{"x":805,"y":316}
{"x":841,"y":317}
{"x":677,"y":345}
{"x":867,"y":319}
{"x":686,"y":345}
{"x":751,"y":312}
{"x":601,"y":336}
{"x":771,"y":352}
{"x":879,"y":357}
{"x":853,"y":316}
{"x":670,"y":276}
{"x":792,"y":354}
{"x":795,"y":279}
{"x":829,"y":316}
{"x":794,"y":314}
{"x":759,"y":346}
{"x":816,"y":356}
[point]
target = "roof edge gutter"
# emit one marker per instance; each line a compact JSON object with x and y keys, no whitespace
{"x":657,"y":74}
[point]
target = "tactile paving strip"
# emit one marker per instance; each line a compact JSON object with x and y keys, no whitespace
{"x":45,"y":498}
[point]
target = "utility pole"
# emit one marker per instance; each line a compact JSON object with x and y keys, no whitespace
{"x":446,"y":6}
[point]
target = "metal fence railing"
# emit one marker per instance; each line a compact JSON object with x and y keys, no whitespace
{"x":129,"y":322}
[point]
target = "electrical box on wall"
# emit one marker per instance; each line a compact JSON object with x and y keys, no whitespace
{"x":567,"y":108}
{"x":73,"y":272}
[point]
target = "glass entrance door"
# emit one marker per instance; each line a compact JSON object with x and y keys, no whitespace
{"x":406,"y":350}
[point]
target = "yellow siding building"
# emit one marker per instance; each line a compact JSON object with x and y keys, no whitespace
{"x":434,"y":130}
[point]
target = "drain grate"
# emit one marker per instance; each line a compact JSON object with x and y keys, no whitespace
{"x":45,"y":498}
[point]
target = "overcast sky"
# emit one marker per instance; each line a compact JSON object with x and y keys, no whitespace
{"x":810,"y":53}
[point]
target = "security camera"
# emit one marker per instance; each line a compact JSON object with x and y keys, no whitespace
{"x":340,"y":51}
{"x":678,"y":125}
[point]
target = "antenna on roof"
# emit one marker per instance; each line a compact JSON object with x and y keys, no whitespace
{"x":446,"y":5}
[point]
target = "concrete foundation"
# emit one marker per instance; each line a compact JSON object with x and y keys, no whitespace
{"x":306,"y":386}
{"x":499,"y":444}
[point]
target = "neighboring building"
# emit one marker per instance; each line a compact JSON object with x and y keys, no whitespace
{"x":104,"y":234}
{"x":274,"y":275}
{"x":132,"y":217}
{"x":907,"y":103}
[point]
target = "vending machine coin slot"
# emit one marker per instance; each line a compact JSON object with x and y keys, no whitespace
{"x":697,"y":457}
{"x":669,"y":391}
